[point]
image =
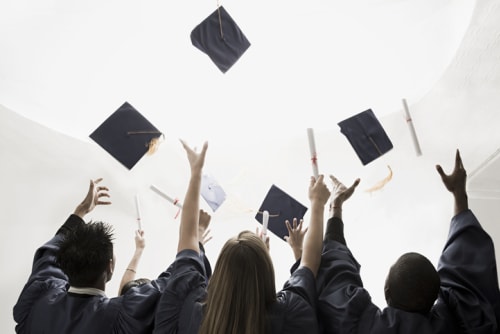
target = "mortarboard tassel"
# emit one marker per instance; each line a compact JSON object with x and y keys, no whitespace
{"x":220,"y":20}
{"x":379,"y":185}
{"x":268,"y":214}
{"x":153,"y":144}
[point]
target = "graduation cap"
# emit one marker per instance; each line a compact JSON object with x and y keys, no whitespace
{"x":281,"y":207}
{"x":212,"y":192}
{"x":127,"y":135}
{"x":220,"y":38}
{"x":366,"y":135}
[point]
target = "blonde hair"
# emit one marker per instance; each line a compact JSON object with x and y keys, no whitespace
{"x":241,"y":288}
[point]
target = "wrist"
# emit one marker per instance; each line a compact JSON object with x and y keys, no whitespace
{"x":196,"y":172}
{"x":335,"y":209}
{"x":317,"y":205}
{"x":297,"y":253}
{"x":80,"y":212}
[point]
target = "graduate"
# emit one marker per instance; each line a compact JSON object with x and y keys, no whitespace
{"x":461,"y":296}
{"x":240,"y":297}
{"x":65,"y":292}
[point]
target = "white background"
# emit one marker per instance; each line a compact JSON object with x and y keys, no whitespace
{"x":65,"y":66}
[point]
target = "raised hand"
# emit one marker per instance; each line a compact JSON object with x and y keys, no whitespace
{"x":340,"y":192}
{"x":93,"y":198}
{"x":203,"y":230}
{"x":295,"y":237}
{"x":196,"y":160}
{"x":454,"y":182}
{"x":318,"y":191}
{"x":140,"y":241}
{"x":260,"y":234}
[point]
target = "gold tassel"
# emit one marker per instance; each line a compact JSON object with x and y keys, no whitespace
{"x":154,"y":144}
{"x":379,"y":185}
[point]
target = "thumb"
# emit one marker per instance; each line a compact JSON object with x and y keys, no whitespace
{"x":90,"y":193}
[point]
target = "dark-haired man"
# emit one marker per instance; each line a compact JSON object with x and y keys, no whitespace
{"x":461,"y":296}
{"x":65,"y":291}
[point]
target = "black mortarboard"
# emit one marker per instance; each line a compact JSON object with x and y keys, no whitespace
{"x":126,"y":135}
{"x":281,"y":207}
{"x":220,"y":38}
{"x":366,"y":135}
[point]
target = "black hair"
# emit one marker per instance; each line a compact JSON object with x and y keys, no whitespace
{"x":412,"y":284}
{"x":85,"y":252}
{"x":133,"y":283}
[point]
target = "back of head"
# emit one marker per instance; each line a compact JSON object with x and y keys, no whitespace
{"x":412,"y":284}
{"x":241,"y":288}
{"x":133,"y":283}
{"x":85,"y":253}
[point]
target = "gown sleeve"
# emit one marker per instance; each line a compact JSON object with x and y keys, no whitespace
{"x":45,"y":274}
{"x":468,"y":272}
{"x":295,"y":307}
{"x":342,"y":301}
{"x":178,"y":310}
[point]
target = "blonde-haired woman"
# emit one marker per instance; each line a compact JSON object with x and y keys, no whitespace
{"x":240,"y":296}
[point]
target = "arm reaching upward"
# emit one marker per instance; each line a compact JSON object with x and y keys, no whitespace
{"x":313,"y":242}
{"x":188,"y":232}
{"x":131,"y":271}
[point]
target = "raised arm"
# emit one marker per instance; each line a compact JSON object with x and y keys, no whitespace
{"x":188,"y":231}
{"x":45,"y":267}
{"x":467,"y":266}
{"x":311,"y":254}
{"x":131,"y":270}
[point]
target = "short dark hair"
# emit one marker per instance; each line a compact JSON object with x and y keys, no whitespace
{"x":133,"y":283}
{"x":412,"y":284}
{"x":85,"y":251}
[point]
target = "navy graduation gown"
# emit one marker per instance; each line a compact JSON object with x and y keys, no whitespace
{"x":180,"y":309}
{"x":45,"y":306}
{"x":468,"y":301}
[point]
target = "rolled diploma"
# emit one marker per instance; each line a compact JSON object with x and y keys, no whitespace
{"x":265,"y":221}
{"x":138,"y":211}
{"x":168,"y":198}
{"x":412,"y":128}
{"x":312,"y":149}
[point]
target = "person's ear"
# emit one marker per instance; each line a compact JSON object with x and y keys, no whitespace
{"x":387,"y":294}
{"x":111,"y":268}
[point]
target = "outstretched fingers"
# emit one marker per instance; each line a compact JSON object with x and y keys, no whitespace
{"x":100,"y":191}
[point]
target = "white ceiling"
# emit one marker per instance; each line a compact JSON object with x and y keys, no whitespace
{"x":66,"y":65}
